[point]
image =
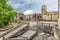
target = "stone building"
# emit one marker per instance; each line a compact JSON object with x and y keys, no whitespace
{"x":28,"y":17}
{"x":43,"y":16}
{"x":19,"y":17}
{"x":49,"y":16}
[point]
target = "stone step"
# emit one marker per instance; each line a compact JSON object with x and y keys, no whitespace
{"x":15,"y":31}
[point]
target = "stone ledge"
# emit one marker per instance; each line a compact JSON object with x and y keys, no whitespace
{"x":7,"y":27}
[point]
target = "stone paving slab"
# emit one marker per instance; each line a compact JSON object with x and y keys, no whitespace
{"x":29,"y":34}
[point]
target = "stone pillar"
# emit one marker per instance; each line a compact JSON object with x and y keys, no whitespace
{"x":58,"y":22}
{"x":59,"y":7}
{"x":55,"y":35}
{"x":59,"y":13}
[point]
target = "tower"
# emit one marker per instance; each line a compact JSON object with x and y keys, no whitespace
{"x":44,"y":9}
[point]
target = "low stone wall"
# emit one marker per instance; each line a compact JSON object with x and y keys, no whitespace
{"x":6,"y":28}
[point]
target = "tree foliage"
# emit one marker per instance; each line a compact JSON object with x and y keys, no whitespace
{"x":7,"y":13}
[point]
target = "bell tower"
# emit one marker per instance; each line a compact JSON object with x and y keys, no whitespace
{"x":44,"y":9}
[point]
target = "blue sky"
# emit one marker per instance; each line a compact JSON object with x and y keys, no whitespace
{"x":35,"y":5}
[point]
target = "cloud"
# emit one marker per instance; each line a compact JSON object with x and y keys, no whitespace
{"x":51,"y":5}
{"x":35,"y":5}
{"x":27,"y":12}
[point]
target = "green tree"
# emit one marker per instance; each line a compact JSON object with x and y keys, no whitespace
{"x":7,"y":13}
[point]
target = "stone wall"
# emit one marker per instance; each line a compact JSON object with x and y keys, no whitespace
{"x":50,"y":17}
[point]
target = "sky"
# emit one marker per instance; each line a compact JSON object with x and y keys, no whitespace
{"x":33,"y":5}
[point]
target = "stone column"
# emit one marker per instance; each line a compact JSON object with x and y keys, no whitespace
{"x":56,"y":37}
{"x":59,"y":7}
{"x":59,"y":13}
